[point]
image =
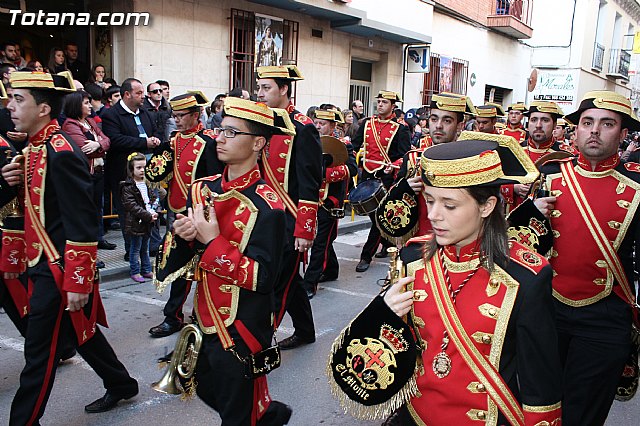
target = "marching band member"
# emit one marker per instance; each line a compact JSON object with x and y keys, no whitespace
{"x":593,"y":209}
{"x":543,"y":116}
{"x":482,"y":305}
{"x":323,"y":262}
{"x":487,"y":116}
{"x":293,"y":168}
{"x":446,"y":121}
{"x":190,"y":155}
{"x":384,"y":141}
{"x":515,"y":129}
{"x":61,"y":247}
{"x":235,"y":220}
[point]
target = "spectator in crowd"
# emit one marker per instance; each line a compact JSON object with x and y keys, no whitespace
{"x":56,"y":62}
{"x":166,"y":90}
{"x":239,"y":92}
{"x":97,"y":96}
{"x":350,"y":124}
{"x":35,"y":65}
{"x":20,"y":62}
{"x":86,"y":133}
{"x":311,"y":111}
{"x":111,"y":96}
{"x":130,"y":129}
{"x":420,"y":130}
{"x":138,"y":202}
{"x":98,"y":73}
{"x":5,"y":71}
{"x":108,"y":82}
{"x":216,"y":114}
{"x":158,"y":108}
{"x":79,"y":69}
{"x":358,"y":110}
{"x":8,"y":53}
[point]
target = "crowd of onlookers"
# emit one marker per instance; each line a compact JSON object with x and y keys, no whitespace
{"x":108,"y":121}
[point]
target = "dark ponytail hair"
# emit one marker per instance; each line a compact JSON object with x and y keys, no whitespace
{"x":493,"y":239}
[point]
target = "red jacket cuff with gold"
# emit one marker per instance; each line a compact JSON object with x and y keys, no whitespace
{"x":225,"y":261}
{"x":79,"y":266}
{"x":14,"y":251}
{"x":306,"y":220}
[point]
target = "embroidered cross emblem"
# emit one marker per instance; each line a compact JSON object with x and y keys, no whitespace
{"x":524,"y":238}
{"x":374,"y":358}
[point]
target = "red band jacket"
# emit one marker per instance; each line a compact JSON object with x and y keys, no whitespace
{"x":507,"y":315}
{"x":237,"y":270}
{"x":292,"y":166}
{"x":612,"y":192}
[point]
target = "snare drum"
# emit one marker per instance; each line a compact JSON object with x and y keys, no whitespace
{"x":366,"y":197}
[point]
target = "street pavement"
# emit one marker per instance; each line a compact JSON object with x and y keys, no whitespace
{"x":133,"y":308}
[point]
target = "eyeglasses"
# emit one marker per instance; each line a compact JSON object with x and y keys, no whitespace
{"x":230,"y":133}
{"x":155,"y":91}
{"x":180,"y":116}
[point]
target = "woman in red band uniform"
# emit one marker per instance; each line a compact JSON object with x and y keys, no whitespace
{"x":482,"y":304}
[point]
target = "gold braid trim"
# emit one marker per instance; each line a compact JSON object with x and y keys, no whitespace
{"x":7,"y":209}
{"x":182,"y":272}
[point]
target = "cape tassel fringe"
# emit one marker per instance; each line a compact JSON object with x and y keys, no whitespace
{"x":400,"y":241}
{"x":190,"y":266}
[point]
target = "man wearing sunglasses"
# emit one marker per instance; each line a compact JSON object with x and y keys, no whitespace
{"x":189,"y":155}
{"x":158,"y":108}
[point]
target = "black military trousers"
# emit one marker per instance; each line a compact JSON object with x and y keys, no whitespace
{"x":49,"y":330}
{"x":375,"y":238}
{"x":373,"y":241}
{"x":594,"y":343}
{"x":178,"y":294}
{"x":323,"y":258}
{"x":296,"y":300}
{"x":221,"y":384}
{"x":6,"y":302}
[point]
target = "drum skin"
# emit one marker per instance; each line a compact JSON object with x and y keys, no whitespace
{"x":366,"y":197}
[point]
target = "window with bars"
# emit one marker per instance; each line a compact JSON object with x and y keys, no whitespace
{"x":242,"y":48}
{"x":459,"y":72}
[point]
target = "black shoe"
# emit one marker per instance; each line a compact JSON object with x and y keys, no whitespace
{"x":323,"y":278}
{"x":395,"y":419}
{"x":100,"y":264}
{"x":381,"y":254}
{"x":107,"y":402}
{"x":277,"y":414}
{"x":106,"y":245}
{"x":68,"y":354}
{"x":165,"y":329}
{"x":126,"y":256}
{"x":363,"y":265}
{"x":293,"y":342}
{"x":114,"y":226}
{"x":311,"y":292}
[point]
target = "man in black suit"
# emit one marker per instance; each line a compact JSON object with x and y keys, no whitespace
{"x":130,"y":129}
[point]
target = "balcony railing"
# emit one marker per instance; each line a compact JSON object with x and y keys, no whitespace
{"x":519,"y":9}
{"x":598,"y":57}
{"x":512,"y":18}
{"x":619,"y":61}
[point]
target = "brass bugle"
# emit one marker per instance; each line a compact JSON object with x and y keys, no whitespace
{"x":183,"y":361}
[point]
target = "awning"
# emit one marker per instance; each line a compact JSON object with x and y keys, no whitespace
{"x":349,"y":20}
